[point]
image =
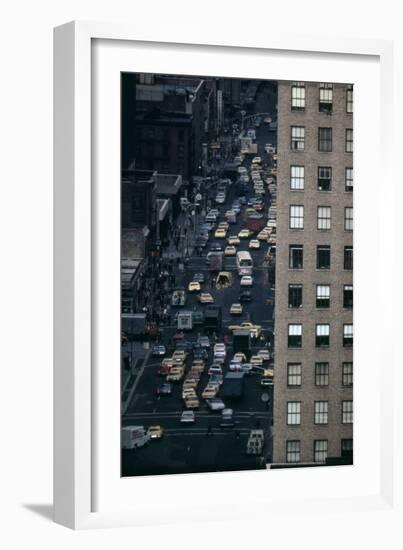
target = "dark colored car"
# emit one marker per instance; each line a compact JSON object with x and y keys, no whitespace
{"x":245,"y":296}
{"x":159,"y":350}
{"x":183,"y":345}
{"x":215,"y":247}
{"x":164,"y":389}
{"x":199,"y":277}
{"x":200,"y":353}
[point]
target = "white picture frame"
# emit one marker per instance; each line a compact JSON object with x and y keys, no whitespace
{"x":86,"y":493}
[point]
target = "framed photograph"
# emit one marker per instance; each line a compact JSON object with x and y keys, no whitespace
{"x":204,"y":250}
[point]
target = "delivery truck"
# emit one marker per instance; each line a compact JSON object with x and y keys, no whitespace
{"x":185,"y":320}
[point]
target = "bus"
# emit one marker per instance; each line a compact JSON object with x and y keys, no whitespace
{"x":244,"y":263}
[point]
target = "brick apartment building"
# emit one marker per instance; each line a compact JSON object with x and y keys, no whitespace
{"x":313,"y":395}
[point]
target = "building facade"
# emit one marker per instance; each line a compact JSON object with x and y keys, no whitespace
{"x":313,"y":396}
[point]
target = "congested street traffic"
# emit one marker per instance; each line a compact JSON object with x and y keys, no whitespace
{"x":202,"y":397}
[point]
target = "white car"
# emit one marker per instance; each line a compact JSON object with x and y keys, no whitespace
{"x":254,"y":243}
{"x":246,"y":280}
{"x":215,"y":369}
{"x":188,"y":416}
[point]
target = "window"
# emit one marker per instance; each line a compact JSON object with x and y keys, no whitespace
{"x":346,"y":447}
{"x":348,"y":218}
{"x":349,"y":98}
{"x":348,"y":257}
{"x":348,"y":296}
{"x":323,"y":257}
{"x":297,"y":137}
{"x":293,"y":412}
{"x":293,"y":451}
{"x":324,"y":178}
{"x":296,"y":217}
{"x":325,"y":140}
{"x":349,"y":179}
{"x":294,"y":336}
{"x":297,"y":177}
{"x":298,"y":96}
{"x":294,"y":296}
{"x":347,"y":335}
{"x":323,"y":296}
{"x":321,"y":412}
{"x":325,"y":98}
{"x":321,"y":374}
{"x":322,"y":338}
{"x":294,"y":374}
{"x":296,"y":256}
{"x":349,"y":140}
{"x":324,"y":217}
{"x":320,"y":450}
{"x":346,"y":412}
{"x":347,"y":374}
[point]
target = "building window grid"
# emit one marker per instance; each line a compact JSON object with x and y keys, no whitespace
{"x":298,"y":96}
{"x":294,"y":374}
{"x":347,"y":412}
{"x":293,"y":451}
{"x":320,"y":450}
{"x":348,"y":258}
{"x":323,"y":257}
{"x":348,"y":296}
{"x":349,"y":180}
{"x":325,"y":140}
{"x":324,"y":178}
{"x":347,"y":374}
{"x":298,"y":138}
{"x":293,"y":413}
{"x":294,"y":296}
{"x":349,"y":98}
{"x":349,"y":140}
{"x":322,"y":296}
{"x":346,"y":447}
{"x":348,"y":218}
{"x":297,"y":177}
{"x":321,"y":374}
{"x":347,"y":335}
{"x":296,"y":256}
{"x":295,"y":336}
{"x":324,"y":217}
{"x":321,"y":412}
{"x":322,"y":335}
{"x":296,"y":217}
{"x":325,"y":98}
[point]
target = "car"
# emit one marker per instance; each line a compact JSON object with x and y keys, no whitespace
{"x":155,"y":432}
{"x":175,"y":374}
{"x":236,"y":309}
{"x":220,"y":233}
{"x":205,"y":298}
{"x":179,"y":356}
{"x":211,"y":217}
{"x":223,"y":225}
{"x":236,"y":208}
{"x":255,"y":330}
{"x":191,"y":402}
{"x":244,"y":234}
{"x":264,"y":354}
{"x":204,"y":341}
{"x":235,"y":366}
{"x":254,"y":243}
{"x":165,"y":388}
{"x":199,"y":277}
{"x":239,"y":356}
{"x":216,"y":379}
{"x":215,"y":247}
{"x":188,"y":416}
{"x":220,"y":198}
{"x":159,"y":350}
{"x":210,"y":392}
{"x":247,"y":368}
{"x":214,"y":369}
{"x":215,"y":404}
{"x":183,"y":345}
{"x":256,"y":360}
{"x":246,"y":280}
{"x":233,"y":240}
{"x":263,"y":235}
{"x":194,"y":286}
{"x":230,"y":251}
{"x":245,"y":296}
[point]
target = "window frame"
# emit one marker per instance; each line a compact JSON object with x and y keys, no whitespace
{"x":289,"y":452}
{"x":321,"y":417}
{"x":347,"y":339}
{"x":296,"y":413}
{"x":297,"y":376}
{"x":323,"y":101}
{"x":321,"y":183}
{"x":323,"y":247}
{"x":348,"y":218}
{"x":349,"y":140}
{"x":297,"y":139}
{"x":349,"y":98}
{"x":347,"y":413}
{"x":347,"y":301}
{"x":323,"y":297}
{"x":299,"y":248}
{"x":316,"y":452}
{"x":348,"y":258}
{"x":298,"y":86}
{"x":348,"y":188}
{"x":297,"y":337}
{"x":296,"y":179}
{"x":347,"y":375}
{"x":324,"y":219}
{"x":295,"y":286}
{"x":325,"y":374}
{"x":322,"y":340}
{"x":322,"y":140}
{"x":296,"y":219}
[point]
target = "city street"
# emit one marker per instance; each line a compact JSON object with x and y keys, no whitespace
{"x":205,"y":444}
